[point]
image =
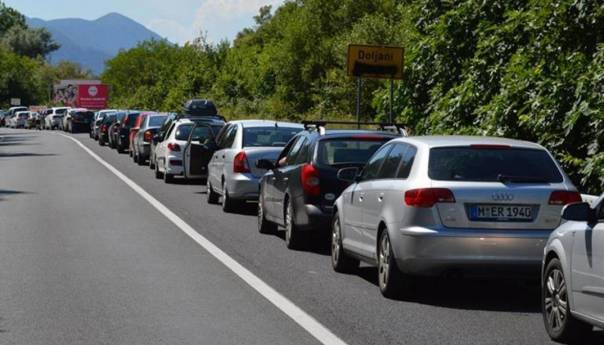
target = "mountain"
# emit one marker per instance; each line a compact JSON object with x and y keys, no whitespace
{"x":91,"y":42}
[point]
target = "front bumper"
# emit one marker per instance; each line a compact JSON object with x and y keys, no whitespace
{"x":472,"y":251}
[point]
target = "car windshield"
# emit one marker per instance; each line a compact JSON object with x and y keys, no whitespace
{"x":183,"y":131}
{"x":349,"y":150}
{"x":156,"y":121}
{"x":492,"y":164}
{"x":61,"y":111}
{"x":268,"y":136}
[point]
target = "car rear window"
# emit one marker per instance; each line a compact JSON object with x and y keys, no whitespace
{"x":183,"y":131}
{"x":60,"y":111}
{"x":84,"y":115}
{"x":268,"y":136}
{"x":156,"y":121}
{"x":349,"y":150}
{"x":491,"y":164}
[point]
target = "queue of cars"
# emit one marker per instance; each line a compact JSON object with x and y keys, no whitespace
{"x":409,"y":205}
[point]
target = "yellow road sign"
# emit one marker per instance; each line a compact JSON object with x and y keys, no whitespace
{"x":375,"y":61}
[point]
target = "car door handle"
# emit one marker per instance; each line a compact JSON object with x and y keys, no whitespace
{"x":223,"y":156}
{"x":361,"y":197}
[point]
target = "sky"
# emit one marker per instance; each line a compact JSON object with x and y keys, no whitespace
{"x":177,"y":20}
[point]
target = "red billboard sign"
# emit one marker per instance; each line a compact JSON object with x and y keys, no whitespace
{"x":92,"y":96}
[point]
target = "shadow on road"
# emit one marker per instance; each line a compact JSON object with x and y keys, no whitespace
{"x":25,"y":154}
{"x":6,"y":192}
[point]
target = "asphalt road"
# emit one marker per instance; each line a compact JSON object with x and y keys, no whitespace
{"x":86,"y":260}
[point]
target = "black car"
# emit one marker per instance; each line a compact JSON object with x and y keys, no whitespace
{"x":200,"y":107}
{"x":299,"y":190}
{"x":80,"y":120}
{"x":121,"y":133}
{"x":104,"y":128}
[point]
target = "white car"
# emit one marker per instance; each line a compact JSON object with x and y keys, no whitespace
{"x":54,"y":118}
{"x":20,"y":119}
{"x":168,"y":151}
{"x":573,"y":273}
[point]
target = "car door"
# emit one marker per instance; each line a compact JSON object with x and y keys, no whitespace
{"x":199,"y":151}
{"x":598,"y":260}
{"x":586,"y":270}
{"x":379,"y":192}
{"x":160,"y":150}
{"x":356,"y":201}
{"x":269,"y":194}
{"x":282,"y":176}
{"x":218,"y":160}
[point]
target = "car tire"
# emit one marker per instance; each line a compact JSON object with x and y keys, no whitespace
{"x":140,"y":160}
{"x":168,"y":178}
{"x":130,"y":153}
{"x":264,"y":226}
{"x":211,"y":194}
{"x":101,"y":142}
{"x":228,"y":204}
{"x":391,"y":281}
{"x":158,"y":174}
{"x":134,"y":157}
{"x":340,"y":261}
{"x":560,"y":324}
{"x":294,"y":239}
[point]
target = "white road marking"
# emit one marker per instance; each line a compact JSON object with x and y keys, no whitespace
{"x":309,"y":323}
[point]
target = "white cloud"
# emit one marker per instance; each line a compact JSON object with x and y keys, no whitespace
{"x":225,"y":18}
{"x":173,"y":30}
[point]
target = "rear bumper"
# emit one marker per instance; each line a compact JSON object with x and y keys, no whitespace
{"x":312,"y":218}
{"x":243,"y":186}
{"x":433,"y":252}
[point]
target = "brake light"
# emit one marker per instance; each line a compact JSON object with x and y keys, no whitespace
{"x":174,"y":147}
{"x":240,"y":164}
{"x":147,"y":136}
{"x":104,"y":128}
{"x":310,"y":180}
{"x":427,"y":197}
{"x":564,"y":197}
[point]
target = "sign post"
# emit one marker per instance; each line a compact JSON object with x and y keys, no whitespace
{"x":380,"y":62}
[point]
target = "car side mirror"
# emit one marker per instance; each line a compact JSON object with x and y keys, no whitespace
{"x":348,"y":174}
{"x":265,"y":164}
{"x":579,"y":212}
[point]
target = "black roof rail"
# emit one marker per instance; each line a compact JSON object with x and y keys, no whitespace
{"x":320,"y":125}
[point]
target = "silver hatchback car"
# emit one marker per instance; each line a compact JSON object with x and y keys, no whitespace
{"x":232,"y":171}
{"x":573,"y":273}
{"x":437,"y":204}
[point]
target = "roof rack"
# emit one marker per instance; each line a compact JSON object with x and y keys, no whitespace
{"x":320,"y":125}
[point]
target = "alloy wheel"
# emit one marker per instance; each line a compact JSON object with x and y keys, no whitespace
{"x":556,"y":300}
{"x":384,"y":261}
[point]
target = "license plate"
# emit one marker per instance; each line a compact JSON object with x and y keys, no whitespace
{"x":501,"y":213}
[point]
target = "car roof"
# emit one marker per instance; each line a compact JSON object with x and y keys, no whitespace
{"x":78,"y":109}
{"x":266,"y":123}
{"x":466,"y":140}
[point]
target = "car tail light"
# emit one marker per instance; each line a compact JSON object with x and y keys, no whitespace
{"x":564,"y":197}
{"x":240,"y":164}
{"x":147,"y":136}
{"x":174,"y":147}
{"x":310,"y":180}
{"x":427,"y":197}
{"x":104,"y":128}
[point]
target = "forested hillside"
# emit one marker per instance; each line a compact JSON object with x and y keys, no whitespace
{"x":523,"y":69}
{"x":24,"y":72}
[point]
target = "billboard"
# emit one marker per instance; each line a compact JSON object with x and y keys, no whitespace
{"x":89,"y":94}
{"x":92,"y":96}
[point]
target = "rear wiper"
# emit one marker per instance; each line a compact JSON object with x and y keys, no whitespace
{"x":521,"y":179}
